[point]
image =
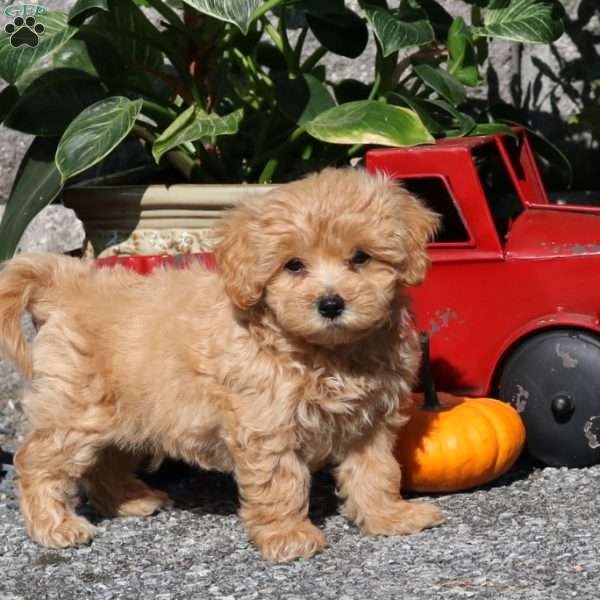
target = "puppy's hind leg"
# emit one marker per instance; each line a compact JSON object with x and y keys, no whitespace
{"x":49,"y":465}
{"x":114,"y":489}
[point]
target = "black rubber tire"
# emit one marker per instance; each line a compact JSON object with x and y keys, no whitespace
{"x":553,"y":380}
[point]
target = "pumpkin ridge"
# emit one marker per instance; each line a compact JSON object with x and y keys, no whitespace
{"x":480,"y":435}
{"x":504,"y":460}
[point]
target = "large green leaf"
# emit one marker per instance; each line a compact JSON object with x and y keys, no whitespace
{"x":464,"y":124}
{"x":194,"y":124}
{"x":74,"y":55}
{"x":130,"y":33}
{"x":94,"y":54}
{"x":492,"y":129}
{"x":86,"y":8}
{"x":439,"y":117}
{"x":447,"y":87}
{"x":53,"y":100}
{"x":343,"y":33}
{"x":95,"y":133}
{"x":402,"y":28}
{"x":15,"y":61}
{"x":369,"y":122}
{"x":439,"y":17}
{"x":303,"y":98}
{"x":436,"y":120}
{"x":9,"y":96}
{"x":521,"y":21}
{"x":462,"y":60}
{"x":238,"y":12}
{"x":36,"y":185}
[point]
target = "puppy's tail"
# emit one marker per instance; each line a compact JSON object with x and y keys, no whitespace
{"x":24,"y":283}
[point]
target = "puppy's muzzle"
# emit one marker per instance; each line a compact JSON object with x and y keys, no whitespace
{"x":331,"y":307}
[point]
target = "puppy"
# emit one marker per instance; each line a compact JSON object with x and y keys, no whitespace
{"x":297,"y":354}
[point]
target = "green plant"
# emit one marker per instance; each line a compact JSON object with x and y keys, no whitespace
{"x":224,"y":90}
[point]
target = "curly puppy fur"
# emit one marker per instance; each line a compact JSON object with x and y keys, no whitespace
{"x":237,"y":371}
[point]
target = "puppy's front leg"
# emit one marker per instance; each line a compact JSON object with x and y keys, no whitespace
{"x":369,"y":481}
{"x":274,"y":488}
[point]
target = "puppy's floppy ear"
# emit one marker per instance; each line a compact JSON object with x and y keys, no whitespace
{"x":418,"y":226}
{"x":237,"y":256}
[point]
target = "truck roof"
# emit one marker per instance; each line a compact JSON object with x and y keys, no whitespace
{"x":456,"y":142}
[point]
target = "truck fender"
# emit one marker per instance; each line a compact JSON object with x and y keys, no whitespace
{"x":557,"y":320}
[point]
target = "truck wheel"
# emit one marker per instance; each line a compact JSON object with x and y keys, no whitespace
{"x":553,"y":380}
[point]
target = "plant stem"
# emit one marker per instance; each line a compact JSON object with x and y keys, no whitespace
{"x":431,"y":402}
{"x":311,"y":62}
{"x":407,"y":61}
{"x":181,"y":161}
{"x":274,"y":35}
{"x":266,"y":6}
{"x":288,"y":53}
{"x":269,"y":170}
{"x":481,"y":45}
{"x":143,"y":133}
{"x":385,"y":67}
{"x":300,"y":44}
{"x":162,"y":115}
{"x":294,"y":136}
{"x":375,"y":87}
{"x":354,"y":150}
{"x":262,"y":134}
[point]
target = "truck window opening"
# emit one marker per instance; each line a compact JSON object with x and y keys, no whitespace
{"x":434,"y":193}
{"x":499,"y":190}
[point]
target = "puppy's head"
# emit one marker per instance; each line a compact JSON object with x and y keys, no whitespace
{"x":327,"y":254}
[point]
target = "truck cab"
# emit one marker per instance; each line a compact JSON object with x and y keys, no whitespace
{"x":510,"y":302}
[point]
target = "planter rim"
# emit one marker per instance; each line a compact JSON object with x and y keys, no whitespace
{"x":177,"y":186}
{"x":100,"y":199}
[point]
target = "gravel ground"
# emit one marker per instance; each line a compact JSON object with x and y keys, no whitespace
{"x":534,"y":534}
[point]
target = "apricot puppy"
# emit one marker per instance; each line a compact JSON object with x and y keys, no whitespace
{"x":298,"y":353}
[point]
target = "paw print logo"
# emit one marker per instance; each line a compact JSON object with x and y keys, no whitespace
{"x":24,"y":32}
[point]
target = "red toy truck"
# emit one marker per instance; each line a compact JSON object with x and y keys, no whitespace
{"x":511,"y":302}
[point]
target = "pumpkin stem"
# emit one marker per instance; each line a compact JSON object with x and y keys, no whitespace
{"x":431,"y":398}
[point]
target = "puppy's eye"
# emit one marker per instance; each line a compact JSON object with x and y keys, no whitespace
{"x":359,"y":258}
{"x":294,"y":265}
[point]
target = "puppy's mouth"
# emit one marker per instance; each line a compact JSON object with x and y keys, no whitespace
{"x":338,"y":331}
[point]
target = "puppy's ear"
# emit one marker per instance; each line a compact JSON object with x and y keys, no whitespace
{"x":418,"y":226}
{"x":237,"y":256}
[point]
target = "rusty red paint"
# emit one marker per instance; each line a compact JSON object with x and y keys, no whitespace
{"x":146,"y":264}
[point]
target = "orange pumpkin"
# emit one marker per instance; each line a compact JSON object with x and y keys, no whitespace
{"x":454,"y":443}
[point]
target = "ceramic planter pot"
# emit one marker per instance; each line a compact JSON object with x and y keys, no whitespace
{"x":155,"y":219}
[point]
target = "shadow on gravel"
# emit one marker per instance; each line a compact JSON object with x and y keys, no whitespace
{"x":6,"y":458}
{"x":210,"y":492}
{"x":521,"y":470}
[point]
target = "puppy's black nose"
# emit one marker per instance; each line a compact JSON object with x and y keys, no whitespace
{"x":331,"y":307}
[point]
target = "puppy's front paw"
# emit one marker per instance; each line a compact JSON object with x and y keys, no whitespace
{"x":72,"y":531}
{"x":408,"y":517}
{"x":303,"y":541}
